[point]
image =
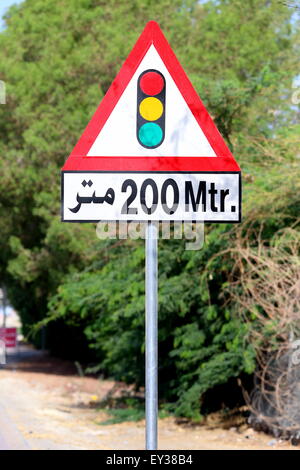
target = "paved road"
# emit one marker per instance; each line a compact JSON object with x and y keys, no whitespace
{"x":10,"y":437}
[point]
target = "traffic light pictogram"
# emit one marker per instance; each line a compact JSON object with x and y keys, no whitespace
{"x":151,"y":108}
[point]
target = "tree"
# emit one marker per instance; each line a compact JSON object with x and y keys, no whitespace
{"x":58,"y":59}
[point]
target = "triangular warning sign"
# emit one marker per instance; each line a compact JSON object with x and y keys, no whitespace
{"x":183,"y":134}
{"x":151,"y":119}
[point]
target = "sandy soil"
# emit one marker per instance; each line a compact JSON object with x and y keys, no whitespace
{"x":54,"y":408}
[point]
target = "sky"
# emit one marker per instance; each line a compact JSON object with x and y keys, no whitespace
{"x":4,"y":4}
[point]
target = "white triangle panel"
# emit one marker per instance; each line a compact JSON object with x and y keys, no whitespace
{"x":183,"y":135}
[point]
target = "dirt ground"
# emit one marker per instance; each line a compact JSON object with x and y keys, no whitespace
{"x":51,"y":407}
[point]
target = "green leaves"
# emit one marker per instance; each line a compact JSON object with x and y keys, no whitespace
{"x":58,"y":59}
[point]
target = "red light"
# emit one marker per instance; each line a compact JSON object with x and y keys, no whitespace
{"x":151,"y":83}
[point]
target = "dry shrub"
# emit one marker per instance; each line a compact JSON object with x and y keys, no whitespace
{"x":266,"y":286}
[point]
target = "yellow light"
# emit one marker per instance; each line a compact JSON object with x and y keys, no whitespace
{"x":151,"y":109}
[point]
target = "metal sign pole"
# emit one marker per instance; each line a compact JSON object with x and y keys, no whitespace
{"x":4,"y":307}
{"x":151,"y":336}
{"x":4,"y":321}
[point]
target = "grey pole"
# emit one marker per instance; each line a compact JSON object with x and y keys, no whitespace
{"x":4,"y":307}
{"x":151,"y":336}
{"x":3,"y":292}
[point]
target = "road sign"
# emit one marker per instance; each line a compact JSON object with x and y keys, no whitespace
{"x":151,"y":152}
{"x":9,"y":336}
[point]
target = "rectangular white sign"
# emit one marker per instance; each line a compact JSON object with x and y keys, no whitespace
{"x":142,"y":196}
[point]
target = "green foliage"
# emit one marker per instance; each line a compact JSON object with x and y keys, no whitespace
{"x":124,"y":414}
{"x":126,"y":409}
{"x":58,"y":58}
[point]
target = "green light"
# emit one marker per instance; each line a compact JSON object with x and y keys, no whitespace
{"x":150,"y":134}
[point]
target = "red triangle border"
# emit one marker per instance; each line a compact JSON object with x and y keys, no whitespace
{"x":78,"y":159}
